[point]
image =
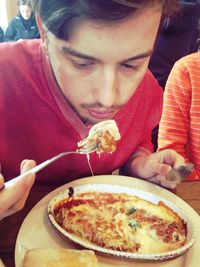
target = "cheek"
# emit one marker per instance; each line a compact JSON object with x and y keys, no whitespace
{"x":75,"y":88}
{"x":128,"y":85}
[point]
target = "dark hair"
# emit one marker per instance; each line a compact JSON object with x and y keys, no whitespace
{"x":25,"y":2}
{"x":56,"y":15}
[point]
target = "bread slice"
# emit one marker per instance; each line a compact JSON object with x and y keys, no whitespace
{"x":58,"y":257}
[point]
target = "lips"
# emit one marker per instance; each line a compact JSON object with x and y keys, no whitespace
{"x":102,"y":114}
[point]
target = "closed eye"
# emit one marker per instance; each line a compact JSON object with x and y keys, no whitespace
{"x":82,"y":65}
{"x":129,"y":66}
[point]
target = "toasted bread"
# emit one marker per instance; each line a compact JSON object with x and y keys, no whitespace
{"x":58,"y":257}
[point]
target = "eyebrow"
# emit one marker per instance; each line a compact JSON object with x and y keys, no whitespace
{"x":142,"y":55}
{"x":72,"y":52}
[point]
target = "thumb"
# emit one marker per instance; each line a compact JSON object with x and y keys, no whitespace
{"x":30,"y":179}
{"x":1,"y":182}
{"x":162,"y":169}
{"x":27,"y":165}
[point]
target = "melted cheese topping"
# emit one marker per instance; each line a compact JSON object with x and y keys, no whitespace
{"x":122,"y":222}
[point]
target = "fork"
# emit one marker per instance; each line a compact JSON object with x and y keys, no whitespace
{"x":180,"y":174}
{"x":88,"y":147}
{"x":83,"y":150}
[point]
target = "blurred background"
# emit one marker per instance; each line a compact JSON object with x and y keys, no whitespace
{"x":8,"y":9}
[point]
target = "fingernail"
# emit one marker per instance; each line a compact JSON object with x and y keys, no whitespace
{"x":27,"y":165}
{"x":3,"y":186}
{"x":23,"y":163}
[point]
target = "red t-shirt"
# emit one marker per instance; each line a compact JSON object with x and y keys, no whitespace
{"x":37,"y":123}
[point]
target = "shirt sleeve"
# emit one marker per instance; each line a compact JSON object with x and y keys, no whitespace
{"x":10,"y":33}
{"x":174,"y":124}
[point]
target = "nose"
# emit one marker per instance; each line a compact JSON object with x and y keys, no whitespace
{"x":107,"y":88}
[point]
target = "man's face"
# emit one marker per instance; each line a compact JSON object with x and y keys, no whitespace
{"x":25,"y":11}
{"x":100,"y":66}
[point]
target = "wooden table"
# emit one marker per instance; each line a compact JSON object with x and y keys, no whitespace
{"x":9,"y":227}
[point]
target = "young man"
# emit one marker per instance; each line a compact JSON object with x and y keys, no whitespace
{"x":91,"y":65}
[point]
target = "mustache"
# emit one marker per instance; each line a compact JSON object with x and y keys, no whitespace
{"x":99,"y":106}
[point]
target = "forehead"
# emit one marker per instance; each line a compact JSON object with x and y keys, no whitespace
{"x":136,"y":33}
{"x":143,"y":15}
{"x":25,"y":8}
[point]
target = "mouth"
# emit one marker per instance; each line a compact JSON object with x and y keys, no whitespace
{"x":102,"y":114}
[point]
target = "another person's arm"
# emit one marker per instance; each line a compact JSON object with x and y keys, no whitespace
{"x":174,"y":124}
{"x":179,"y":125}
{"x":154,"y":167}
{"x":10,"y":33}
{"x":14,"y":193}
{"x":1,"y":35}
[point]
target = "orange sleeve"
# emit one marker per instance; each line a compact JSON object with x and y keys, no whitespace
{"x":179,"y":128}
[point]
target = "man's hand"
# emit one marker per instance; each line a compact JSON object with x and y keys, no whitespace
{"x":13,"y":194}
{"x":154,"y":167}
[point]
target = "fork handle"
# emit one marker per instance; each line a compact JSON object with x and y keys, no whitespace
{"x":49,"y":161}
{"x":39,"y":167}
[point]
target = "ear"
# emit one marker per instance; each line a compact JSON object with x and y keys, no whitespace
{"x":43,"y":32}
{"x":41,"y":28}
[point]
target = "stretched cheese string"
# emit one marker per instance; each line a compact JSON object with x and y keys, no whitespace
{"x":89,"y":164}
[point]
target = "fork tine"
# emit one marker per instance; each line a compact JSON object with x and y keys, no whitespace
{"x":88,"y":148}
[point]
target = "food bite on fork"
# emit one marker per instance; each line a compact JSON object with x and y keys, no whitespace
{"x":102,"y":137}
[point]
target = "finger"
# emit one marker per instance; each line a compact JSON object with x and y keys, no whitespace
{"x":22,"y":164}
{"x":159,"y":178}
{"x":154,"y":180}
{"x":17,"y":206}
{"x":1,"y":263}
{"x":16,"y":193}
{"x":1,"y":182}
{"x":173,"y":158}
{"x":29,"y":179}
{"x":7,"y":213}
{"x":27,"y":165}
{"x":161,"y":168}
{"x":20,"y":203}
{"x":167,"y":184}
